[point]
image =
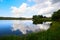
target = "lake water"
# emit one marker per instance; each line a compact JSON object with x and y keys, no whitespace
{"x":19,"y":27}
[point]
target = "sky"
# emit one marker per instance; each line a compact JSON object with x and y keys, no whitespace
{"x":28,"y":8}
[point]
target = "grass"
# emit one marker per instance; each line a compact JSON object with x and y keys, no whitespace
{"x":51,"y":34}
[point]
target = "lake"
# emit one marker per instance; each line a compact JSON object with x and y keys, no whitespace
{"x":20,"y":27}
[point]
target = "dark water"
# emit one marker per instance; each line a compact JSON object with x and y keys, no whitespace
{"x":19,"y":27}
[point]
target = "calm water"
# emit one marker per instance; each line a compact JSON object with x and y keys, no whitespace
{"x":19,"y":27}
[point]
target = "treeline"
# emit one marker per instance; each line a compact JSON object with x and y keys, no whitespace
{"x":37,"y":19}
{"x":11,"y":18}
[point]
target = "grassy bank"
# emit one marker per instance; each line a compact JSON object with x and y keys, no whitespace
{"x":51,"y":34}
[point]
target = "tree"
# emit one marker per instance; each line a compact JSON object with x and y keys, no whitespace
{"x":40,"y":16}
{"x":37,"y":19}
{"x":56,"y":16}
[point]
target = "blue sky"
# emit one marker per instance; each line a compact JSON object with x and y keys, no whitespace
{"x":31,"y":7}
{"x":6,"y":4}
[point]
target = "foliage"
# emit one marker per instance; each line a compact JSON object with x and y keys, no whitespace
{"x":37,"y":19}
{"x":56,"y":16}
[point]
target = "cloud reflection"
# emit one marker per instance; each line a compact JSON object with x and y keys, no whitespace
{"x":26,"y":26}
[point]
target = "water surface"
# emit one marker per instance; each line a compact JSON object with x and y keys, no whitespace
{"x":19,"y":27}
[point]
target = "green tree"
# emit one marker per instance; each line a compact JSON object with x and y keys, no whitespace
{"x":40,"y":16}
{"x":56,"y":16}
{"x":37,"y":19}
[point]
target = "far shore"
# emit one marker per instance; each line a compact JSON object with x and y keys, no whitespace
{"x":11,"y":18}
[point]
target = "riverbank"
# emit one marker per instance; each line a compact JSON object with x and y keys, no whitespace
{"x":51,"y":34}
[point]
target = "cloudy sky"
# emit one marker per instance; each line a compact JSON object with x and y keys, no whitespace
{"x":28,"y":8}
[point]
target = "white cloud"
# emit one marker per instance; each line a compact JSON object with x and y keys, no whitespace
{"x":55,"y":1}
{"x":27,"y":28}
{"x":18,"y":11}
{"x":22,"y":8}
{"x":41,"y":1}
{"x":44,"y":7}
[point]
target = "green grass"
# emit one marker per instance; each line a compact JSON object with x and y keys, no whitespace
{"x":51,"y":34}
